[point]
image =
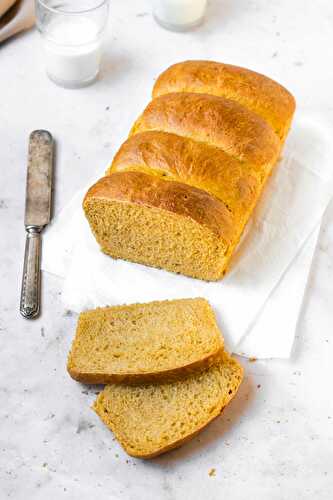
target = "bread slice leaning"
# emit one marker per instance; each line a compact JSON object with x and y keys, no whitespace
{"x":144,"y":342}
{"x":151,"y":419}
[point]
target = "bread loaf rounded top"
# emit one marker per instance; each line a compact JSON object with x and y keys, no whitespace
{"x":257,"y":92}
{"x":216,"y":121}
{"x":176,"y":197}
{"x":173,"y":157}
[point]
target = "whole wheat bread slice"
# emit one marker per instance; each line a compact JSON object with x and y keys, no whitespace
{"x":151,"y":419}
{"x":144,"y":342}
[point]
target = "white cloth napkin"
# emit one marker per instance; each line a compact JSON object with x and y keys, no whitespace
{"x":250,"y":302}
{"x":273,"y":331}
{"x":15,"y":16}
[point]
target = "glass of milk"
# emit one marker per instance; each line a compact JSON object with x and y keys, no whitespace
{"x":179,"y":15}
{"x":72,"y":34}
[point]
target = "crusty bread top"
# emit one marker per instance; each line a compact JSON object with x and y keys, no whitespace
{"x":176,"y":197}
{"x":151,"y":419}
{"x":216,"y":121}
{"x":173,"y":157}
{"x":257,"y":92}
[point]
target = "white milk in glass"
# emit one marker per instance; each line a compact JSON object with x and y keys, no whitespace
{"x":72,"y":48}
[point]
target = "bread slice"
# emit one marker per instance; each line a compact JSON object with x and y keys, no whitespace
{"x":151,"y":419}
{"x":142,"y":342}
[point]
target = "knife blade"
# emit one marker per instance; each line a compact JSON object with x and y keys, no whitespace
{"x":39,"y":179}
{"x":37,"y":216}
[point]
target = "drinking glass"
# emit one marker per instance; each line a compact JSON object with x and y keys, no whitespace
{"x":179,"y":15}
{"x":72,"y":35}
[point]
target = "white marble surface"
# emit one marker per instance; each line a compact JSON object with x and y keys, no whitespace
{"x":276,"y":439}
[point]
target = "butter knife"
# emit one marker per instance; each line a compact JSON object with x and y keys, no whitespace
{"x":37,"y":216}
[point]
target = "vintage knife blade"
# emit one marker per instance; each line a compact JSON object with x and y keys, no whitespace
{"x":37,"y":216}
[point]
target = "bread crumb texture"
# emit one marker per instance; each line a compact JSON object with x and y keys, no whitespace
{"x":168,"y":225}
{"x":141,"y":342}
{"x":151,"y":419}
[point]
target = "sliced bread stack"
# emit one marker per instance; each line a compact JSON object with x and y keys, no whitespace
{"x":168,"y":375}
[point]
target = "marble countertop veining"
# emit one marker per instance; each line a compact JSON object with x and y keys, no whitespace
{"x":276,"y":438}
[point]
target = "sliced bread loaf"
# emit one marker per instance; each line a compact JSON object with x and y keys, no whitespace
{"x":144,"y":342}
{"x":151,"y":419}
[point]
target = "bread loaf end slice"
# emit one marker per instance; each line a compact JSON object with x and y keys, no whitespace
{"x":165,"y":224}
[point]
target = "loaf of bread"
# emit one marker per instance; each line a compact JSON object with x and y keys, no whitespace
{"x":182,"y":187}
{"x":151,"y":419}
{"x":144,"y":342}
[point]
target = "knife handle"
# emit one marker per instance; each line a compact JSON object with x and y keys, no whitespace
{"x":30,"y":291}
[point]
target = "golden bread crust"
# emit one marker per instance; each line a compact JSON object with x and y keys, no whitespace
{"x":144,"y":377}
{"x":176,"y":197}
{"x":216,"y":121}
{"x":173,"y":157}
{"x":257,"y":92}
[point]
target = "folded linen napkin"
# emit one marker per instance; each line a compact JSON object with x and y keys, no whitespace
{"x":15,"y":16}
{"x":248,"y":301}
